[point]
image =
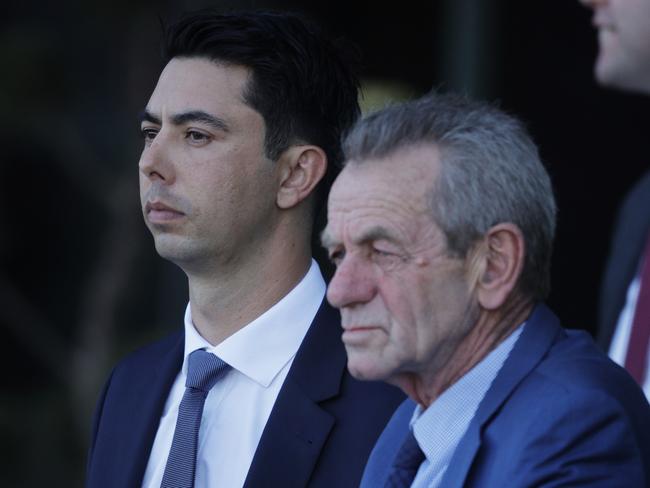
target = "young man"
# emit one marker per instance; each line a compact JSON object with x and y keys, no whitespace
{"x":240,"y":131}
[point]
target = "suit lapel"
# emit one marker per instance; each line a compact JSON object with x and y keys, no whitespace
{"x":540,"y":332}
{"x":298,"y":427}
{"x":147,"y":401}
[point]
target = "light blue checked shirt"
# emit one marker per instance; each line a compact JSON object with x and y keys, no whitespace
{"x":439,"y":428}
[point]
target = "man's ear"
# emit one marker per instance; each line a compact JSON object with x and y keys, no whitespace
{"x":497,"y":263}
{"x":301,"y":168}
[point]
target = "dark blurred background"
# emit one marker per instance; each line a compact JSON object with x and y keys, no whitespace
{"x":80,"y":282}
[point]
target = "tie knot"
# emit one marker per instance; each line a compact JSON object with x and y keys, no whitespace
{"x":204,"y":369}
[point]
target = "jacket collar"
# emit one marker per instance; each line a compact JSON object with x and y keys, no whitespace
{"x":540,"y":332}
{"x":298,"y":426}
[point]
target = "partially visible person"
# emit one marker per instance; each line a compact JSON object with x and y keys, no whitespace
{"x":441,"y":227}
{"x":241,"y":141}
{"x":623,"y":63}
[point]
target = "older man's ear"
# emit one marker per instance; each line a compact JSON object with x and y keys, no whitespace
{"x":496,"y":264}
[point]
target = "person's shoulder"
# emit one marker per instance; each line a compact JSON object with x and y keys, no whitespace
{"x":576,"y":380}
{"x":575,"y":364}
{"x":575,"y":406}
{"x":564,"y":358}
{"x":558,"y":425}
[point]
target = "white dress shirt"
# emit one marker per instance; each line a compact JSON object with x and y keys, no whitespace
{"x":621,"y":338}
{"x":238,"y":406}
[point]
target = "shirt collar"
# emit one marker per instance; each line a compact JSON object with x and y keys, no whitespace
{"x":260,"y":349}
{"x":439,"y":428}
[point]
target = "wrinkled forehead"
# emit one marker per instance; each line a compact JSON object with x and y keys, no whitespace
{"x":374,"y":194}
{"x":406,"y":174}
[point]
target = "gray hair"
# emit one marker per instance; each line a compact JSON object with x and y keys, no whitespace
{"x":491,"y":173}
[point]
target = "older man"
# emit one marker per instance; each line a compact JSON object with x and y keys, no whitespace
{"x":624,"y":312}
{"x":441,"y":227}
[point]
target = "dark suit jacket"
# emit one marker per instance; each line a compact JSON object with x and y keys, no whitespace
{"x":628,"y":241}
{"x":320,"y":432}
{"x":559,"y":413}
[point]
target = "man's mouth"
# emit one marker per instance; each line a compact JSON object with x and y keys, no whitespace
{"x":159,"y":212}
{"x":357,"y":334}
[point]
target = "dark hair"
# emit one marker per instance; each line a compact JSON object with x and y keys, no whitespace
{"x":491,"y":173}
{"x":302,"y":83}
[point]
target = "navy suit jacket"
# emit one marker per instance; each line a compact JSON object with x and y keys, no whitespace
{"x":628,"y":241}
{"x":559,"y":413}
{"x":319,"y":434}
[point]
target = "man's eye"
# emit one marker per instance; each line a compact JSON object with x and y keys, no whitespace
{"x":196,"y":136}
{"x":148,"y":134}
{"x":336,"y":256}
{"x":386,"y":259}
{"x":383,"y":252}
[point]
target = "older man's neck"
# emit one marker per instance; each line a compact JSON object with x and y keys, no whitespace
{"x":491,"y":329}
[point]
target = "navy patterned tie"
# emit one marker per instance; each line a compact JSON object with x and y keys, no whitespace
{"x":203,"y":371}
{"x":406,"y":464}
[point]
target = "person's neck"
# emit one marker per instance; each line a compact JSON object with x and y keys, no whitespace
{"x":225,"y":300}
{"x":490,"y":330}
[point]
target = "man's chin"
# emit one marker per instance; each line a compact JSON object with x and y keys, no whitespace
{"x":173,"y":248}
{"x":603,"y":71}
{"x":611,"y":72}
{"x":366,"y":370}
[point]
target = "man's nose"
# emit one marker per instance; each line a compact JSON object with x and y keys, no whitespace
{"x":352,"y":284}
{"x":155,"y":162}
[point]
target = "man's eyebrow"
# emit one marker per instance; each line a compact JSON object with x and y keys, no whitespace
{"x":374,"y":233}
{"x":187,"y":117}
{"x":146,"y":116}
{"x":202,"y":117}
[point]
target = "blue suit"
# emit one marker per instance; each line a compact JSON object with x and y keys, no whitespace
{"x":320,"y":432}
{"x":559,"y":413}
